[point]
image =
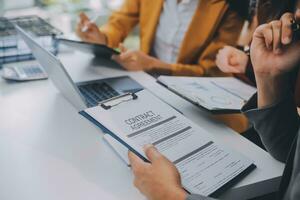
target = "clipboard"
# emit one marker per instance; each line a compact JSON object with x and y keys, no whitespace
{"x":189,"y":85}
{"x":108,"y":104}
{"x":98,"y":50}
{"x":212,"y":111}
{"x":188,"y":144}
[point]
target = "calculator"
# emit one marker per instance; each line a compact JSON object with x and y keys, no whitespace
{"x":23,"y":71}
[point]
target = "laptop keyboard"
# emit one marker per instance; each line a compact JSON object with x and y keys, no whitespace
{"x":97,"y":92}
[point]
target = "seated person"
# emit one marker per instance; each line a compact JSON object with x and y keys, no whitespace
{"x":236,"y":60}
{"x":176,"y":37}
{"x":273,"y":112}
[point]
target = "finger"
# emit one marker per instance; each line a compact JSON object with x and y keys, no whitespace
{"x":222,"y":61}
{"x":297,"y":15}
{"x":221,"y":52}
{"x":152,"y":153}
{"x":136,"y":163}
{"x":219,"y":56}
{"x":83,"y":17}
{"x":79,"y":25}
{"x":276,"y":29}
{"x":218,"y":59}
{"x":122,"y":48}
{"x":78,"y":30}
{"x":116,"y":58}
{"x":268,"y":35}
{"x":89,"y":27}
{"x":287,"y":32}
{"x":227,"y":47}
{"x":233,"y":60}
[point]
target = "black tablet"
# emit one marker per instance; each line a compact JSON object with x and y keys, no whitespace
{"x":97,"y":49}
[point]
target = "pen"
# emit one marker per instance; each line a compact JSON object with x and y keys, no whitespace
{"x":85,"y":28}
{"x":296,"y":29}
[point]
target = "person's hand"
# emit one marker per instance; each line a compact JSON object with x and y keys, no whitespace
{"x":91,"y":33}
{"x":232,"y":60}
{"x":273,"y":52}
{"x":158,"y":180}
{"x":134,"y":60}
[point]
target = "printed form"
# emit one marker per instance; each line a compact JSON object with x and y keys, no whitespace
{"x":204,"y":165}
{"x":211,"y":93}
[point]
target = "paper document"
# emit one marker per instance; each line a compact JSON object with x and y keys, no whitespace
{"x":224,"y":93}
{"x":204,"y":164}
{"x":120,"y":149}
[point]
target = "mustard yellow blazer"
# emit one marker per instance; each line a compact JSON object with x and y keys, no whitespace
{"x":213,"y":26}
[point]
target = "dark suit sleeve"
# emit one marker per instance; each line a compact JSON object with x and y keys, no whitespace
{"x":277,"y":124}
{"x":248,"y":77}
{"x":198,"y":197}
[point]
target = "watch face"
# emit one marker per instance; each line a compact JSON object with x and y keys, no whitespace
{"x":247,"y":50}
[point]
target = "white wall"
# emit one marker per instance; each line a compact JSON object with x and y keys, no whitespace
{"x":11,"y":4}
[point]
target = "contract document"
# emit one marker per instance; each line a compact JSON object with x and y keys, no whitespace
{"x":135,"y":120}
{"x":218,"y":95}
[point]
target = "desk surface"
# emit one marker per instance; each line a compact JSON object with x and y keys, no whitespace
{"x":48,"y":151}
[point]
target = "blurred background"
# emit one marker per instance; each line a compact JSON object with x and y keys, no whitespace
{"x":63,"y":14}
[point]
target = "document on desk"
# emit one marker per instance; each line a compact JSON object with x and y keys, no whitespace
{"x":205,"y":165}
{"x":219,"y":95}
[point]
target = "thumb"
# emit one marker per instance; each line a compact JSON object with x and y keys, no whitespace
{"x":115,"y":58}
{"x":134,"y":160}
{"x":152,"y":153}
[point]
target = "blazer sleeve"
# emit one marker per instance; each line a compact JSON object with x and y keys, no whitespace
{"x":277,"y":124}
{"x":227,"y":33}
{"x":121,"y":22}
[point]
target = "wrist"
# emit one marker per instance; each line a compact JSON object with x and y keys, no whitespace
{"x":270,"y":88}
{"x":104,"y":39}
{"x":177,"y":194}
{"x":158,"y":64}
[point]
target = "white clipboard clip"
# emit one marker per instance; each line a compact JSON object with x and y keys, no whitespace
{"x":109,"y":103}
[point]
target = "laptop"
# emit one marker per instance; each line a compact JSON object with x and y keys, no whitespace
{"x":83,"y":94}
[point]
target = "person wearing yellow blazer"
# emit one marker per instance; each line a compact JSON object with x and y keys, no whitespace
{"x":211,"y":26}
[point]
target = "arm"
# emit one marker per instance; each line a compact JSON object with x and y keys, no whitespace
{"x":198,"y":197}
{"x":274,"y":55}
{"x":227,"y":34}
{"x":121,"y":22}
{"x":277,"y":124}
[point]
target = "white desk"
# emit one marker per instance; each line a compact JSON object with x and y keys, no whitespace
{"x":48,"y":151}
